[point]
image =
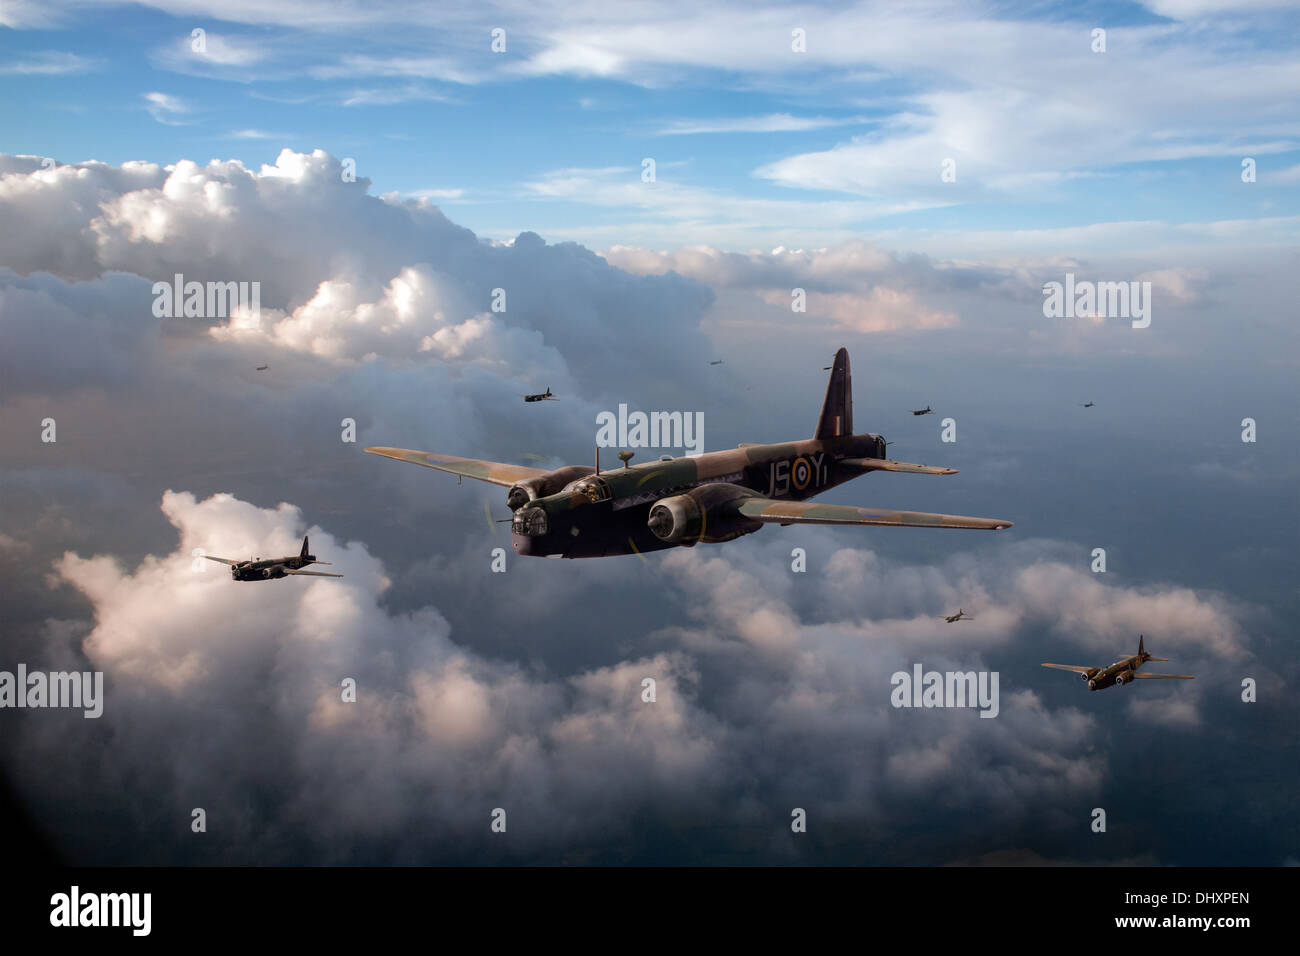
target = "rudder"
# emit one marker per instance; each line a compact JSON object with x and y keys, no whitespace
{"x":837,"y":409}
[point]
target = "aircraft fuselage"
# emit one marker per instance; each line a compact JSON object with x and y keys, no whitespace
{"x":1121,"y":672}
{"x":607,"y":514}
{"x":269,"y":568}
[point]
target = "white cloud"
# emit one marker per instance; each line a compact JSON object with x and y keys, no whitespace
{"x":428,"y":68}
{"x":388,"y":96}
{"x":49,"y":63}
{"x":166,"y":109}
{"x":771,"y":123}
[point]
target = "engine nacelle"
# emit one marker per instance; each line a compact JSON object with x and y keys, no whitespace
{"x":1123,"y":677}
{"x":1089,"y":674}
{"x":705,"y":513}
{"x":544,"y":486}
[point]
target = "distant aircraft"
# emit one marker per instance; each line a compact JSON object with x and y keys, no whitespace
{"x":718,"y":362}
{"x":259,"y":570}
{"x":1087,"y":404}
{"x":545,"y":396}
{"x":1123,"y":671}
{"x":263,"y":368}
{"x":959,"y":616}
{"x":923,"y":411}
{"x":583,"y":512}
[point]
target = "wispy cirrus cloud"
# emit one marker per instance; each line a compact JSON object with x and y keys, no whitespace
{"x":392,"y":95}
{"x":167,"y":109}
{"x":50,"y":63}
{"x":257,"y":134}
{"x":771,"y":123}
{"x":424,"y":67}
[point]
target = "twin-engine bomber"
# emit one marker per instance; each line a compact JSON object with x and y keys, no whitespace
{"x":270,"y":568}
{"x":580,"y":512}
{"x":1123,"y":671}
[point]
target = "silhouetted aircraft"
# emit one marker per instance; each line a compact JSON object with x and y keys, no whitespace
{"x":1123,"y":671}
{"x":259,"y":570}
{"x":263,"y":368}
{"x":545,"y":396}
{"x":959,"y":616}
{"x":923,"y":411}
{"x":1087,"y":404}
{"x":583,"y":512}
{"x":718,"y":362}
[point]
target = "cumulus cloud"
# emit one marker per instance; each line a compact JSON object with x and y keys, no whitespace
{"x":519,"y":690}
{"x":855,"y":286}
{"x":436,"y":732}
{"x":322,"y":248}
{"x":440,"y":735}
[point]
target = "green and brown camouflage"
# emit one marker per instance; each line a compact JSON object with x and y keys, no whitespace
{"x":1123,"y":671}
{"x":576,"y":512}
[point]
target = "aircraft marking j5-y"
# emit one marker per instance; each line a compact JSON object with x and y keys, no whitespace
{"x":260,"y":570}
{"x":1123,"y":671}
{"x":578,"y":512}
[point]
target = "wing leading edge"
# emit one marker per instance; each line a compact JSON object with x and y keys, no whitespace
{"x":491,"y":471}
{"x":771,"y":511}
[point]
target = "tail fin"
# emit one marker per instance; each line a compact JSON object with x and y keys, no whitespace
{"x":837,"y":410}
{"x":304,"y":553}
{"x":1141,"y":647}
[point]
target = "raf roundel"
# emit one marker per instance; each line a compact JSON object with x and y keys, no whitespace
{"x":801,"y":473}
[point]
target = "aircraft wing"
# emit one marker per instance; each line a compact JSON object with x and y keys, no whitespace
{"x":771,"y":511}
{"x":222,"y":560}
{"x":318,"y":574}
{"x":495,"y":472}
{"x":884,"y":464}
{"x":1147,"y":675}
{"x":1070,"y":667}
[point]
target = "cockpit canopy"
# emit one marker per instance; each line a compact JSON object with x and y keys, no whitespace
{"x":592,"y":487}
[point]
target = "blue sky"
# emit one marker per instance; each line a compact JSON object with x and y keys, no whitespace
{"x":755,"y":145}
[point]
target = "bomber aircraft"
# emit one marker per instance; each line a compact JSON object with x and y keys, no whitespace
{"x":545,"y":396}
{"x":259,"y":570}
{"x":1087,"y":404}
{"x":1123,"y":671}
{"x":959,"y":616}
{"x":923,"y":411}
{"x":582,"y":512}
